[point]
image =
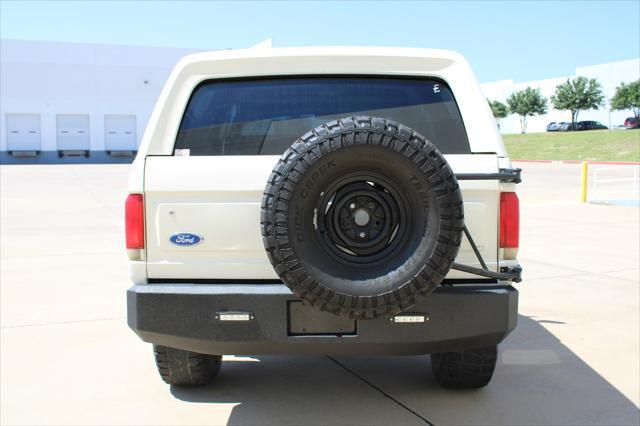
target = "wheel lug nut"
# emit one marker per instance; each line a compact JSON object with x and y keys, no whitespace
{"x":362,"y":235}
{"x":352,"y":206}
{"x":371,"y":205}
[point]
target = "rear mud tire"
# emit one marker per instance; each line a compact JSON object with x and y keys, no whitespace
{"x":471,"y":368}
{"x":178,"y":367}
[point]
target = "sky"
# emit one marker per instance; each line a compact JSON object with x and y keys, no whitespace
{"x":527,"y":40}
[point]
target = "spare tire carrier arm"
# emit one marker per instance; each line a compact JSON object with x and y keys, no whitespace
{"x":507,"y":274}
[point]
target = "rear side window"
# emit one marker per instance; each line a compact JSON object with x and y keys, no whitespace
{"x":263,"y":117}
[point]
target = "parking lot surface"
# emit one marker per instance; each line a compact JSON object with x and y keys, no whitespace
{"x":68,"y":357}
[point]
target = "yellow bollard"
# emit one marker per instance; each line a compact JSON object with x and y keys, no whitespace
{"x":585,"y":173}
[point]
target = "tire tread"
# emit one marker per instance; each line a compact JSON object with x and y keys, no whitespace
{"x":185,"y":368}
{"x":471,"y":368}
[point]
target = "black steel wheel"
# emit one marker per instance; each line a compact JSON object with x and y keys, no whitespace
{"x":362,"y":217}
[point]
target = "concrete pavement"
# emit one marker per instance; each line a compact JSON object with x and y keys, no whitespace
{"x":67,"y":356}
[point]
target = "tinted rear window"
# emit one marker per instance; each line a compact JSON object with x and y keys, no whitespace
{"x":263,"y":117}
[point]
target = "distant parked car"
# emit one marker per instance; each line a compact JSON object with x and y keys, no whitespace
{"x":553,"y":126}
{"x":629,"y":123}
{"x":590,"y":125}
{"x":563,"y":126}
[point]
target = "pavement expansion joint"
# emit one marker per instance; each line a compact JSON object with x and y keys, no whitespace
{"x":61,"y":322}
{"x":353,"y":373}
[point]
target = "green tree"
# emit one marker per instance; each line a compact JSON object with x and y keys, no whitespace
{"x":499,"y":110}
{"x":627,"y":96}
{"x":576,"y":95}
{"x":526,"y":103}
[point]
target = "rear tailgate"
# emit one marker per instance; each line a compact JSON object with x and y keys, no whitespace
{"x":218,"y":199}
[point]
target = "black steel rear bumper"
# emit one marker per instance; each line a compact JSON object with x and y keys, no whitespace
{"x":184,"y":316}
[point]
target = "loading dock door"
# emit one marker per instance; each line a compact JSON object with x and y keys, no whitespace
{"x":72,"y":131}
{"x":120,"y":133}
{"x":23,"y":132}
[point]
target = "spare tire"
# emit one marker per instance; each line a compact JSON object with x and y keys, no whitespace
{"x":362,"y":217}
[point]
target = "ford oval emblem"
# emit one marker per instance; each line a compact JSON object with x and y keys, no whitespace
{"x":185,"y":239}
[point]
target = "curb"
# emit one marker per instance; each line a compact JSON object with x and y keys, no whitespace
{"x":625,"y":163}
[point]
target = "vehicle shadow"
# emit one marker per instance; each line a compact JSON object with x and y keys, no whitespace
{"x":538,"y":381}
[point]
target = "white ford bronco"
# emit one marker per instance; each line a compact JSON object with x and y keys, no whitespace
{"x":323,"y":201}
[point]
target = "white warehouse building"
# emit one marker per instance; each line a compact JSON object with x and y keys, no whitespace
{"x":74,"y":102}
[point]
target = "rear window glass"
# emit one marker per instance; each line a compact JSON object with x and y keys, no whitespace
{"x":263,"y":117}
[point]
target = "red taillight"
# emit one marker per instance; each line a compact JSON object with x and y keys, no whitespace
{"x":509,"y":220}
{"x":134,"y":221}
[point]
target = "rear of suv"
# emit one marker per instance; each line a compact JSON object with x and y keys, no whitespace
{"x":323,"y":201}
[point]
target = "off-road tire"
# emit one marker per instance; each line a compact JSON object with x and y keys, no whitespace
{"x":184,"y":368}
{"x":354,"y":143}
{"x":471,"y":368}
